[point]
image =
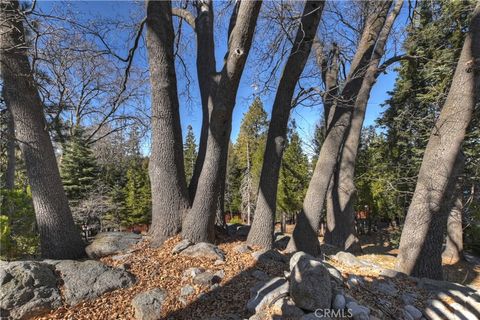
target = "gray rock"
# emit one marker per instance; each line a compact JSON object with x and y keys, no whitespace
{"x":386,"y":287}
{"x":182,"y":245}
{"x":310,"y":316}
{"x":187,"y":290}
{"x":262,"y":315}
{"x":89,"y":279}
{"x":148,"y":305}
{"x":348,"y":259}
{"x":268,"y":256}
{"x":192,"y":272}
{"x":389,"y":273}
{"x":265,"y":293}
{"x":108,"y":243}
{"x":219,"y":262}
{"x":242,"y":231}
{"x":339,"y":302}
{"x":260,"y":275}
{"x":349,"y":298}
{"x":335,"y":274}
{"x":287,"y":309}
{"x":206,"y":279}
{"x":354,"y":281}
{"x":220,"y":274}
{"x":310,"y":286}
{"x":281,"y":241}
{"x":300,"y":255}
{"x":204,"y":250}
{"x":120,"y":257}
{"x":358,"y":312}
{"x":413,"y":312}
{"x":242,"y":248}
{"x":28,"y":289}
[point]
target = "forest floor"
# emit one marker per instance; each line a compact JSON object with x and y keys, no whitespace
{"x":159,"y":268}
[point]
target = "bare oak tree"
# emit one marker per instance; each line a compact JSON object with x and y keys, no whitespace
{"x":222,"y":91}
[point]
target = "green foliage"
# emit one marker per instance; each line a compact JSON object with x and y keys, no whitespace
{"x":236,"y":220}
{"x":19,"y":236}
{"x":138,"y":202}
{"x":189,"y":153}
{"x":294,"y":175}
{"x":317,"y":141}
{"x":389,"y":162}
{"x":245,"y":159}
{"x":78,"y":166}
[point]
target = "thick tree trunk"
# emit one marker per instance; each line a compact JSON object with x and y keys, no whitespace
{"x":166,"y":168}
{"x":424,"y":229}
{"x":11,"y":159}
{"x":262,"y":230}
{"x":198,"y":225}
{"x":205,"y":75}
{"x":59,"y":237}
{"x":341,"y":212}
{"x":305,"y":234}
{"x":453,"y":251}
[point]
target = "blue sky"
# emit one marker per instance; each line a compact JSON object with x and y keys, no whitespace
{"x":305,"y":117}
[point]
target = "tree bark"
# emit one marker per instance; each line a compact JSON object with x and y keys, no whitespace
{"x":197,"y":226}
{"x":422,"y":237}
{"x":305,"y":234}
{"x":11,"y":159}
{"x":205,"y":74}
{"x":262,"y":230}
{"x":59,"y":237}
{"x":341,"y":212}
{"x":166,"y":167}
{"x":453,"y":251}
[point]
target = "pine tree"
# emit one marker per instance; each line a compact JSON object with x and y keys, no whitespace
{"x":189,"y":153}
{"x":294,"y":176}
{"x":138,"y":202}
{"x":249,"y":151}
{"x":233,"y":199}
{"x":78,"y":167}
{"x":420,"y":90}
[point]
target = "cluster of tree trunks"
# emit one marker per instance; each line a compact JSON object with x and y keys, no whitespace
{"x":195,"y":209}
{"x":339,"y":119}
{"x":426,"y":221}
{"x":262,"y":229}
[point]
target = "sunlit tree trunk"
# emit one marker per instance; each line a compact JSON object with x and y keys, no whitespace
{"x":305,"y":234}
{"x":420,"y":252}
{"x":340,"y":208}
{"x":59,"y":237}
{"x":166,"y":167}
{"x":261,"y":233}
{"x":198,"y":225}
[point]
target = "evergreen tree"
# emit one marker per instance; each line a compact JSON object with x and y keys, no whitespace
{"x":233,"y":199}
{"x":138,"y":202}
{"x":436,"y":37}
{"x":78,"y":167}
{"x":317,"y":141}
{"x":249,"y":151}
{"x":294,"y":176}
{"x":189,"y":153}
